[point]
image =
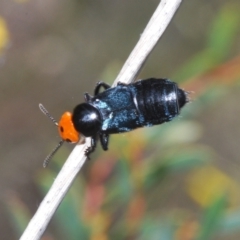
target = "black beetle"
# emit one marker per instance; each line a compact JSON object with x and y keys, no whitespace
{"x":120,"y":109}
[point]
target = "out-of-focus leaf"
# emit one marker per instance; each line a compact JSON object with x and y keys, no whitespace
{"x":124,"y":183}
{"x":223,"y":31}
{"x":182,"y":159}
{"x":212,"y":217}
{"x":173,"y":133}
{"x":222,"y":75}
{"x":99,"y":226}
{"x":199,"y":64}
{"x":230,"y":222}
{"x":207,"y":183}
{"x":181,"y":132}
{"x":157,"y":229}
{"x":211,"y":94}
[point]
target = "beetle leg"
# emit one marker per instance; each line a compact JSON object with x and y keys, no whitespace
{"x":87,"y":97}
{"x":99,"y":85}
{"x":104,"y":140}
{"x":91,"y":149}
{"x":121,"y":83}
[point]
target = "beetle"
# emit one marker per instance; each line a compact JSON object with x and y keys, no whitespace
{"x":120,"y":109}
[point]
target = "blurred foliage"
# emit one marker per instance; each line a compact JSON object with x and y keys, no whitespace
{"x":130,"y":191}
{"x":4,"y":35}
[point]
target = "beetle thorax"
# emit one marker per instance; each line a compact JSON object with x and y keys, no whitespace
{"x":87,"y":119}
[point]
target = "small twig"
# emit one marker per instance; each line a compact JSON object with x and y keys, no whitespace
{"x":149,"y":38}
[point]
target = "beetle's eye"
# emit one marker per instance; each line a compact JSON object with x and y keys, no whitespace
{"x":61,"y":129}
{"x":68,"y":140}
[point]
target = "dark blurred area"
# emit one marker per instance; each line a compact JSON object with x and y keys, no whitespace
{"x":57,"y":50}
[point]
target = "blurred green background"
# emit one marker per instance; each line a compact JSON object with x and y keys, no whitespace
{"x":180,"y":180}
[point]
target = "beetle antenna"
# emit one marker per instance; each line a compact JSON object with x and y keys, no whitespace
{"x":45,"y":111}
{"x":48,"y":158}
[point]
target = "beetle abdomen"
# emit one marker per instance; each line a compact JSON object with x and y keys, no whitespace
{"x":158,"y":100}
{"x":143,"y":103}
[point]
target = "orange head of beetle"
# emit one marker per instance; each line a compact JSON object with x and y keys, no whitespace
{"x":66,"y":129}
